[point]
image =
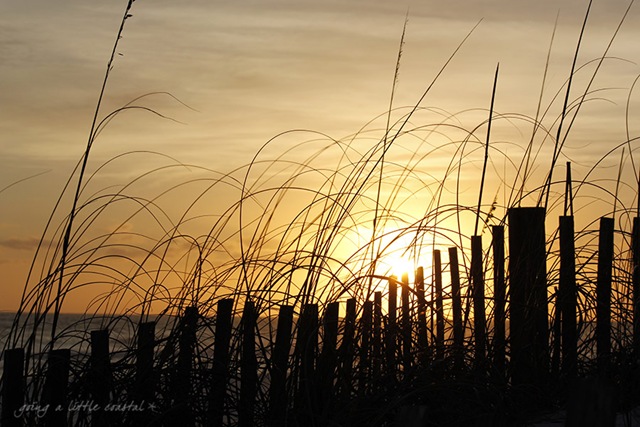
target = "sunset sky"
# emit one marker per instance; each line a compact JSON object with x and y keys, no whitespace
{"x":246,"y":71}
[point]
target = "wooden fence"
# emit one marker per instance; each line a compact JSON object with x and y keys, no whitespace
{"x":361,"y":368}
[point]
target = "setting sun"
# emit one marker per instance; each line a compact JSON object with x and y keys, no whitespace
{"x":400,"y":266}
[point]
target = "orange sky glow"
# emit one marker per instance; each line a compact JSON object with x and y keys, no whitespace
{"x":260,"y":122}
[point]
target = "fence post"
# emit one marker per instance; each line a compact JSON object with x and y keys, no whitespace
{"x":406,"y":325}
{"x":479,"y":317}
{"x":13,"y":387}
{"x":280,"y":363}
{"x":567,"y":298}
{"x":220,"y":367}
{"x":346,"y":350}
{"x":364,"y":364}
{"x":456,"y":308}
{"x":437,"y":280}
{"x":603,"y":292}
{"x":528,"y":291}
{"x":144,"y":382}
{"x":56,"y":388}
{"x":556,"y":327}
{"x":248,"y":366}
{"x":100,"y":381}
{"x":328,"y":357}
{"x":499,"y":293}
{"x":181,"y":388}
{"x":390,"y":330}
{"x":423,"y":342}
{"x":377,"y":337}
{"x":307,"y":349}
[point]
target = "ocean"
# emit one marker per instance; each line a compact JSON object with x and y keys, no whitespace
{"x":73,"y":332}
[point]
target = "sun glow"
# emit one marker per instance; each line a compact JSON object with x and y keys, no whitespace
{"x":400,"y":265}
{"x":403,"y":256}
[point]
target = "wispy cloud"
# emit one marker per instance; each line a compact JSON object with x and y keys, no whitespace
{"x":18,"y":243}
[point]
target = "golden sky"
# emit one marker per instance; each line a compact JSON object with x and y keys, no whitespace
{"x":249,"y":70}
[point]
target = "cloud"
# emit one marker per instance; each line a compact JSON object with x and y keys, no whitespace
{"x":17,"y":243}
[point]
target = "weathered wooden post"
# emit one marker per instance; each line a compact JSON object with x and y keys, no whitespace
{"x":307,"y":350}
{"x":456,"y":308}
{"x":56,"y":388}
{"x":248,"y":366}
{"x":499,"y":294}
{"x":377,"y":337}
{"x":423,"y":342}
{"x":556,"y":319}
{"x":346,"y":350}
{"x":479,"y":317}
{"x":406,"y":325}
{"x":100,"y":381}
{"x":279,"y":367}
{"x":568,"y":297}
{"x":437,"y":281}
{"x":144,"y":361}
{"x":528,"y":291}
{"x":603,"y":293}
{"x":220,"y":368}
{"x":144,"y":380}
{"x":13,"y":387}
{"x":391,"y":329}
{"x":327,"y":361}
{"x":181,"y":387}
{"x":364,"y":364}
